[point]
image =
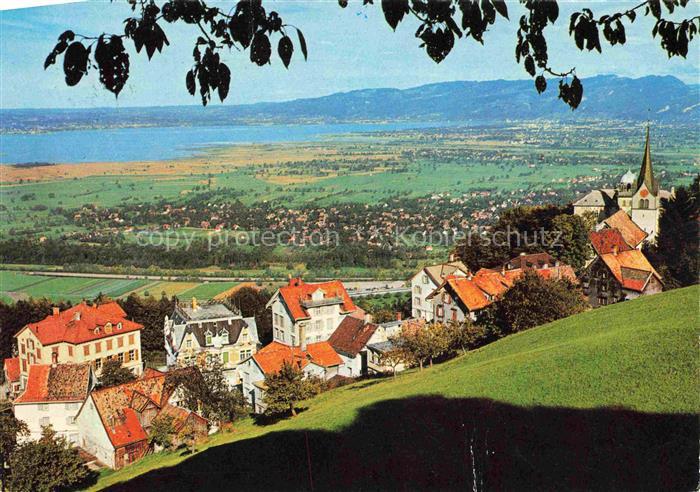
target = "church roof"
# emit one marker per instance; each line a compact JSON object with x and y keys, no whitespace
{"x":596,"y":198}
{"x":646,"y":173}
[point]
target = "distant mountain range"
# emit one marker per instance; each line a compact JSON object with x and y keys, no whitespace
{"x":659,"y":98}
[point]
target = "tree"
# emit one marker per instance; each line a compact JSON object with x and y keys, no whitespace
{"x":249,"y":27}
{"x":534,"y":301}
{"x":466,"y":335}
{"x":252,"y":302}
{"x":423,"y":342}
{"x":150,"y":312}
{"x":393,"y":358}
{"x":10,"y":429}
{"x":162,"y":432}
{"x":114,"y":374}
{"x":676,"y":248}
{"x":286,"y":388}
{"x":574,"y":247}
{"x":207,"y":393}
{"x":48,"y":464}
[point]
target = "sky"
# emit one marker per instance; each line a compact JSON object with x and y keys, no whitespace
{"x":352,"y":48}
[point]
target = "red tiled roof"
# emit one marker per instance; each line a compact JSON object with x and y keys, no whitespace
{"x":297,"y":291}
{"x":272,"y":357}
{"x":606,"y":240}
{"x":11,"y":367}
{"x":78,"y":324}
{"x":630,"y":268}
{"x":351,"y":336}
{"x":468,"y":292}
{"x":117,"y":406}
{"x":59,"y":383}
{"x":631,"y":232}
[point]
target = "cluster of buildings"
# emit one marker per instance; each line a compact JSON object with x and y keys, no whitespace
{"x":53,"y":379}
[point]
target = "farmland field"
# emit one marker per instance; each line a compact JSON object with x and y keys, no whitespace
{"x":18,"y":285}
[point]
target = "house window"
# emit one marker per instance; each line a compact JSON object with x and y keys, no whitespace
{"x":416,"y":301}
{"x":43,"y":407}
{"x":294,"y":340}
{"x":132,"y":354}
{"x":131,"y":339}
{"x":244,"y":354}
{"x":70,"y":350}
{"x":224,"y":357}
{"x":119,"y":325}
{"x":207,"y":338}
{"x":417,"y":289}
{"x":446,"y":298}
{"x":224,"y":337}
{"x":120,"y":342}
{"x":109,"y":344}
{"x":98,"y":364}
{"x":188,"y":344}
{"x":44,"y":421}
{"x":317,"y":325}
{"x":244,"y":337}
{"x":98,"y":347}
{"x":454,"y":315}
{"x":71,"y":406}
{"x":440,"y":312}
{"x":70,"y":420}
{"x":86,"y":349}
{"x":120,"y":357}
{"x":38,"y":353}
{"x":23,"y":348}
{"x":425,"y":279}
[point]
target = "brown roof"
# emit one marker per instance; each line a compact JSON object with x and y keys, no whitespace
{"x":351,"y":336}
{"x":630,"y":231}
{"x":438,"y":272}
{"x":535,"y":260}
{"x":59,"y":383}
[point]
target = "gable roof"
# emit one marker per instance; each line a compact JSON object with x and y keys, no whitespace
{"x":119,"y":406}
{"x":298,"y":293}
{"x":534,"y":260}
{"x":596,"y":198}
{"x":351,"y":336}
{"x":233,"y":326}
{"x":11,"y":367}
{"x":78,"y":324}
{"x":272,"y":357}
{"x":438,"y":272}
{"x":630,"y":268}
{"x":607,"y":241}
{"x":631,"y":232}
{"x":58,"y":383}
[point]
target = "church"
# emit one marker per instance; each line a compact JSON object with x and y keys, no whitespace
{"x":639,"y":196}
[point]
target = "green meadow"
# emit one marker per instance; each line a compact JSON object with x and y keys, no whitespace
{"x":591,"y":388}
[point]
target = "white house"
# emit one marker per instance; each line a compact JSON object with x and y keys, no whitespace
{"x":315,"y":359}
{"x":52,"y":396}
{"x":197,"y":334}
{"x":318,"y":307}
{"x":426,"y":281}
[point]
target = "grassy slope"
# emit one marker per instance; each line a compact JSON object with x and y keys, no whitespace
{"x":641,"y":355}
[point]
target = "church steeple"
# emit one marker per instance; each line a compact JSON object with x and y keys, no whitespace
{"x":646,"y":173}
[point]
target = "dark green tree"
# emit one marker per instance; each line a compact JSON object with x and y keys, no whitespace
{"x":47,"y":465}
{"x":286,"y":388}
{"x":10,"y":429}
{"x":114,"y":374}
{"x":252,"y":301}
{"x":534,"y":301}
{"x":573,"y":246}
{"x":676,"y":250}
{"x":162,"y":432}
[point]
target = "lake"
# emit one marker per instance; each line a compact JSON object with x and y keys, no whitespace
{"x":161,"y":143}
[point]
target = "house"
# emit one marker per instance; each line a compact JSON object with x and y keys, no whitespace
{"x":52,"y":396}
{"x":376,"y":362}
{"x":618,"y":272}
{"x":350,"y":341}
{"x":83,"y":333}
{"x":638,"y":196}
{"x":427,"y":280}
{"x":631,"y":232}
{"x":318,"y":307}
{"x":459,"y":298}
{"x":315,"y":359}
{"x":10,"y":387}
{"x":114,"y":422}
{"x":200,"y":333}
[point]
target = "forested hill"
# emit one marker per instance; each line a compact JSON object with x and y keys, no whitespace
{"x":605,"y":97}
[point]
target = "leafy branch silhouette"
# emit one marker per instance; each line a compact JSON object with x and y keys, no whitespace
{"x":247,"y":26}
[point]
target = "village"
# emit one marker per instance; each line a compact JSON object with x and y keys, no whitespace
{"x":80,"y":371}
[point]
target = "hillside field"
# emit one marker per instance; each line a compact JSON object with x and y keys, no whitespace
{"x":608,"y":399}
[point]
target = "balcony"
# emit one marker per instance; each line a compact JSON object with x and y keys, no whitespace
{"x":326,"y":301}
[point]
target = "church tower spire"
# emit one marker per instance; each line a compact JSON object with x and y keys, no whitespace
{"x":646,"y":173}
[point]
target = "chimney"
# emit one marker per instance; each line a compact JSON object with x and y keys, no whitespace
{"x":398,"y":315}
{"x":503,"y":270}
{"x":614,"y":249}
{"x":76,"y":316}
{"x":194,"y":303}
{"x":368,"y":318}
{"x":453,"y":257}
{"x":302,"y":336}
{"x":56,"y":310}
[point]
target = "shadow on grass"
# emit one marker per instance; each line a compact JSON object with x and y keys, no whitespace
{"x":431,"y":443}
